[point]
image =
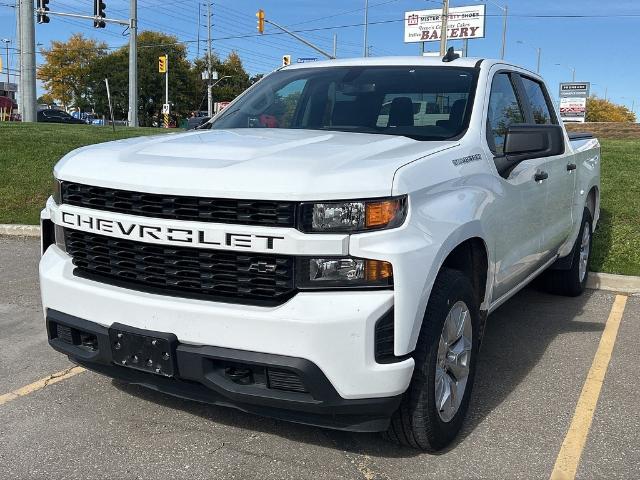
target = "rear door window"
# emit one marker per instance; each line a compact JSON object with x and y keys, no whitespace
{"x":538,"y":103}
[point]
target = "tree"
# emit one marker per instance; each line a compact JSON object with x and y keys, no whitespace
{"x":151,"y":83}
{"x":601,"y":110}
{"x":46,"y":99}
{"x":227,"y":89}
{"x":66,"y":68}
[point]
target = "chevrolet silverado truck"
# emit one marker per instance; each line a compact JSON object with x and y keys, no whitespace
{"x":327,"y":249}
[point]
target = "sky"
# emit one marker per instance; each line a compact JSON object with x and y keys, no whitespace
{"x":602,"y":47}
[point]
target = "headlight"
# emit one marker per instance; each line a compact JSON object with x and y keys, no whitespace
{"x":343,"y":272}
{"x":57,"y":191}
{"x":356,"y":216}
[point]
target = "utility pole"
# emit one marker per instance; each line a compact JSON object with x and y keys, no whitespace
{"x":365,"y":52}
{"x":198,"y":29}
{"x":465,"y":47}
{"x":27,"y":64}
{"x":209,"y":73}
{"x":335,"y":45}
{"x":443,"y":28}
{"x":133,"y":63}
{"x":539,"y":55}
{"x":6,"y":44}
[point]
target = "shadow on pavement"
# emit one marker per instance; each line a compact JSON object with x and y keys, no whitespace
{"x":517,"y":336}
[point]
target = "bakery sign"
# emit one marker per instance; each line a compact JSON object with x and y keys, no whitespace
{"x":462,"y":23}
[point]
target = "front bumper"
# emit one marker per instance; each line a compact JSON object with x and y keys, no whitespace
{"x":303,"y":394}
{"x":332,"y":330}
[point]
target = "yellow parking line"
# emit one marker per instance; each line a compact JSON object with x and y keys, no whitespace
{"x":571,"y":450}
{"x":40,"y":384}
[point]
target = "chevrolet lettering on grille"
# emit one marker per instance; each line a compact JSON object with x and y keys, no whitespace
{"x":140,"y":231}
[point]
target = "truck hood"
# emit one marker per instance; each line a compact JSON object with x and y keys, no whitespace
{"x":270,"y":164}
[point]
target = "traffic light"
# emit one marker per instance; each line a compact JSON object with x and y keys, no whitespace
{"x":98,"y":11}
{"x":286,"y":60}
{"x":43,"y":8}
{"x":260,"y":17}
{"x":162,"y":64}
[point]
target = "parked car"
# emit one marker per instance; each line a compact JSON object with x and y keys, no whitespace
{"x":57,"y":116}
{"x":324,"y":251}
{"x":194,"y":122}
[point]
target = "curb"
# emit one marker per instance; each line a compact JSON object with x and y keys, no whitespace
{"x":596,"y":281}
{"x":614,"y":283}
{"x":20,"y":230}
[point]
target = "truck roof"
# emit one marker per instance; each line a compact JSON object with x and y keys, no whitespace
{"x":403,"y":60}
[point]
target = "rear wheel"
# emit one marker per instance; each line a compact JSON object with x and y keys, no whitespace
{"x":434,"y":406}
{"x":573,"y":281}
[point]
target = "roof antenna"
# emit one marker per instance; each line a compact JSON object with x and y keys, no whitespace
{"x":450,"y":56}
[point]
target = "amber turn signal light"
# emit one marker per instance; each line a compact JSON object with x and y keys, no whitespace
{"x":379,"y":214}
{"x":378,"y":270}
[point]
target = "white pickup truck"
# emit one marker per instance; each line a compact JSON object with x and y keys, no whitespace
{"x":327,"y":249}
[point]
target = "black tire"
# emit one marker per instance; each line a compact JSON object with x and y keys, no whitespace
{"x":568,"y":282}
{"x":417,"y":422}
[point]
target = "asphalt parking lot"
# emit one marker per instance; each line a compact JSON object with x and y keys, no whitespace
{"x":536,"y":358}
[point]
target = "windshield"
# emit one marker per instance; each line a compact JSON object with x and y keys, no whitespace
{"x":425,"y":103}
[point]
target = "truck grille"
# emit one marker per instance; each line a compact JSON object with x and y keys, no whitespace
{"x":199,"y":209}
{"x":185,"y":272}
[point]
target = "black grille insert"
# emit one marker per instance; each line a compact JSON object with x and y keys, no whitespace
{"x":181,"y":271}
{"x":199,"y":209}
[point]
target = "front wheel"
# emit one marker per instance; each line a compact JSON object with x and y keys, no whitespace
{"x":434,"y":406}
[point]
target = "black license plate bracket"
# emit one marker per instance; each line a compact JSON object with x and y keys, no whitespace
{"x":144,"y":350}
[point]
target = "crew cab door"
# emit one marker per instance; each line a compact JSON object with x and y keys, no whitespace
{"x":560,"y":183}
{"x":518,"y":211}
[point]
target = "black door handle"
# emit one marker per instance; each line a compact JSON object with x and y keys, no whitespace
{"x":539,"y":176}
{"x":571,"y":166}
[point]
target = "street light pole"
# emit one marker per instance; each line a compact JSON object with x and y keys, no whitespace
{"x":504,"y":31}
{"x":538,"y":50}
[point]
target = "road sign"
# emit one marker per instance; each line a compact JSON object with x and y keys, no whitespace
{"x":166,"y":108}
{"x":162,"y":64}
{"x":307,"y":59}
{"x":573,"y":101}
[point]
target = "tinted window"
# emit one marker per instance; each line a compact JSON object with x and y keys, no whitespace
{"x":424,"y":103}
{"x":537,"y":101}
{"x":504,"y":110}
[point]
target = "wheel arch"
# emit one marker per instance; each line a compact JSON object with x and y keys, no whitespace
{"x":593,"y":204}
{"x":464,"y":245}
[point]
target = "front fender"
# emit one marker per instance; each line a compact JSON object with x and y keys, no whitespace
{"x":417,"y":251}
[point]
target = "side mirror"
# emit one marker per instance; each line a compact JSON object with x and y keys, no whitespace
{"x":526,"y":141}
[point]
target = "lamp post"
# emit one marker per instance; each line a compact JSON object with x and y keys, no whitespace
{"x":538,"y":49}
{"x":633,"y":103}
{"x":606,"y":89}
{"x":6,"y":43}
{"x":505,"y":12}
{"x":573,"y":70}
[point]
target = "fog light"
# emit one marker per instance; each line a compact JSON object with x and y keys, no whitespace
{"x":340,"y":272}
